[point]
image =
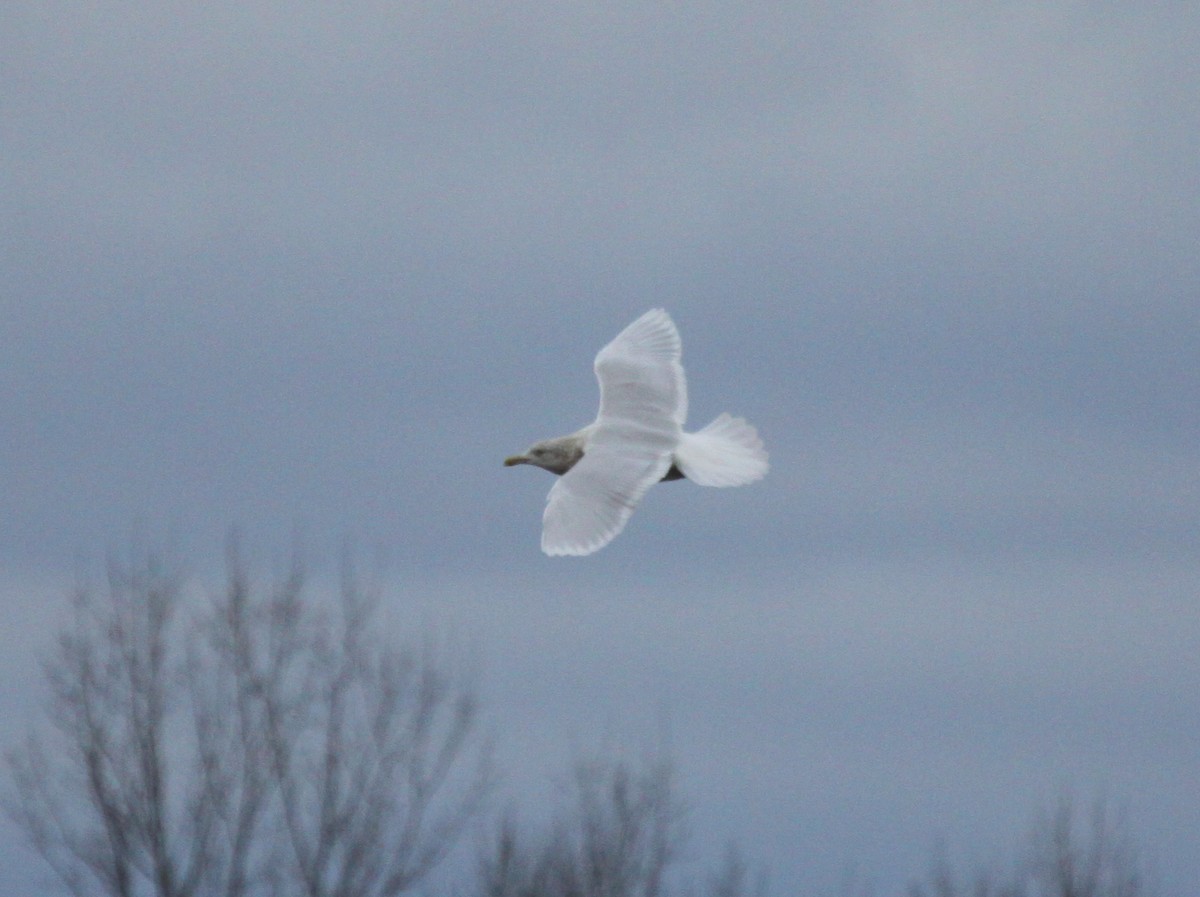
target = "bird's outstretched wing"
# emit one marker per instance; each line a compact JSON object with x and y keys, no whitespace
{"x":643,"y":404}
{"x":641,"y":378}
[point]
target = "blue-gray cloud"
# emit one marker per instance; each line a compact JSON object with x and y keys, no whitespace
{"x":321,"y":271}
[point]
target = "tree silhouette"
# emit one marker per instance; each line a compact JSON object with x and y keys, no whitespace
{"x":619,"y":836}
{"x":251,"y":742}
{"x":1066,"y":856}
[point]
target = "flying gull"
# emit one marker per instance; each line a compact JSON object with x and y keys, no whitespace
{"x":636,"y":441}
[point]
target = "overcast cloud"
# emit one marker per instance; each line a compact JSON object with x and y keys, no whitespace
{"x":317,"y":270}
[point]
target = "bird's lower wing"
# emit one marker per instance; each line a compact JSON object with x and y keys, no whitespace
{"x":591,"y":503}
{"x":643,"y":403}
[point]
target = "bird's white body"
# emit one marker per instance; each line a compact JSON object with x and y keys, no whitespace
{"x":635,"y":441}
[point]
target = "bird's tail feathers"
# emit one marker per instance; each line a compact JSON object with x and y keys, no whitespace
{"x":727,"y":452}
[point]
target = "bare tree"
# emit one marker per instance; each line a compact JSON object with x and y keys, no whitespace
{"x":1062,"y":861}
{"x":1065,"y":863}
{"x":619,"y":837}
{"x":250,"y":742}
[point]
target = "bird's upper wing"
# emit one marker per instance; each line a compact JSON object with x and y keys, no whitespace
{"x":640,"y":375}
{"x":643,"y":404}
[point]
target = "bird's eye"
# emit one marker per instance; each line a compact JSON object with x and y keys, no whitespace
{"x":537,"y":451}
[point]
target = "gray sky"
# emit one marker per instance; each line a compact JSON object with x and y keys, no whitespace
{"x":319,"y":270}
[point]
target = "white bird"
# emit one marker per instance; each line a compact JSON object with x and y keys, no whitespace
{"x":636,"y":440}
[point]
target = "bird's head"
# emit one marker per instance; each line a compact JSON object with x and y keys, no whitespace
{"x":555,"y":455}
